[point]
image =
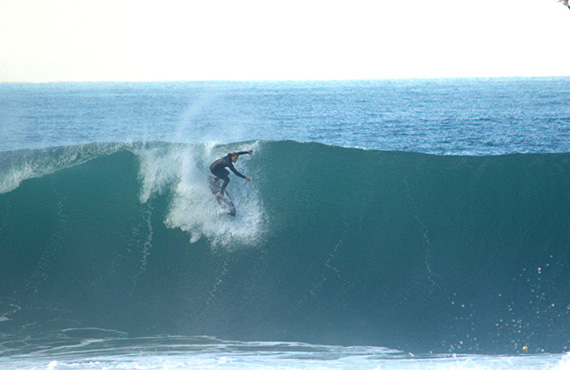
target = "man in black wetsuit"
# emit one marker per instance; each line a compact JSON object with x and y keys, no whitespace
{"x":218,"y":168}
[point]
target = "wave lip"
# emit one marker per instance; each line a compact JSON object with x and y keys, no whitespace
{"x":19,"y":165}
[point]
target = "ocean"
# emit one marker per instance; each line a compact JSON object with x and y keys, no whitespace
{"x":388,"y":224}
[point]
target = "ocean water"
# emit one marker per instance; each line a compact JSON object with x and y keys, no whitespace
{"x":405,"y":224}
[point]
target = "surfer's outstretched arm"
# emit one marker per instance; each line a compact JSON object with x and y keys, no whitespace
{"x":248,"y":152}
{"x":231,"y":166}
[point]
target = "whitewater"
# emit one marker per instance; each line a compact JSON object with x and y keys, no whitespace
{"x":397,"y":224}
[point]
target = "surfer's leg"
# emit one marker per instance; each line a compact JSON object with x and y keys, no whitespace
{"x":222,"y":174}
{"x":226,"y":181}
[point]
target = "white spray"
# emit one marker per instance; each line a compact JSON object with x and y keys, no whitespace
{"x":182,"y":170}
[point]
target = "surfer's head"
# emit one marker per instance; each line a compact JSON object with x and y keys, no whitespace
{"x":234,"y":157}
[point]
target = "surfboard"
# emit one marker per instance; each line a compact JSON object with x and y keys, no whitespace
{"x":226,"y":203}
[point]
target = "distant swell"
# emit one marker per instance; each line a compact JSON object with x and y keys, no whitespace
{"x":329,"y":245}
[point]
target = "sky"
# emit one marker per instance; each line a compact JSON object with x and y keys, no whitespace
{"x":192,"y":40}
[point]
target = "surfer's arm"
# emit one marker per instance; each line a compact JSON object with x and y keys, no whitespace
{"x":248,"y":152}
{"x":231,"y":166}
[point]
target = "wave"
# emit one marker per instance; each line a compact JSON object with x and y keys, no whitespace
{"x":329,"y":245}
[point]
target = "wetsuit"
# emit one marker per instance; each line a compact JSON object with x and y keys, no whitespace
{"x":218,"y":168}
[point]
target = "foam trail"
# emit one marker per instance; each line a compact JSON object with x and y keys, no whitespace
{"x":564,"y":363}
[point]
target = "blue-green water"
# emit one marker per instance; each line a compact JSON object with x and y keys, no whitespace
{"x":457,"y":116}
{"x":354,"y":231}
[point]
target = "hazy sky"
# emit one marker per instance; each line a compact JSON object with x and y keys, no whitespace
{"x":77,"y":40}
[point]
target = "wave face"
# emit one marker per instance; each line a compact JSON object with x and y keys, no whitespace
{"x":329,"y":245}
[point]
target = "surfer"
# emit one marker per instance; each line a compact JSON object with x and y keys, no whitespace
{"x":218,"y":168}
